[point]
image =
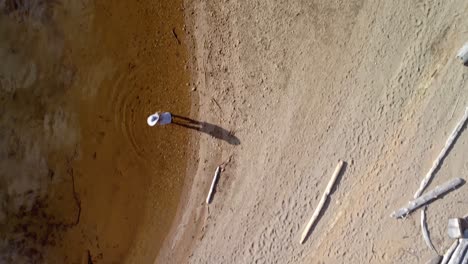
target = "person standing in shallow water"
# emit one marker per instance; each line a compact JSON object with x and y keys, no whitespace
{"x":164,"y":118}
{"x":159,"y":118}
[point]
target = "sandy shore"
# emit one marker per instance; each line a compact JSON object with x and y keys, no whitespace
{"x":303,"y":84}
{"x":282,"y":90}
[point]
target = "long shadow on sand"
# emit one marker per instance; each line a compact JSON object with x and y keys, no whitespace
{"x":210,"y":129}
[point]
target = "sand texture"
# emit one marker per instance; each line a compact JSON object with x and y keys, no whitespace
{"x":303,"y":84}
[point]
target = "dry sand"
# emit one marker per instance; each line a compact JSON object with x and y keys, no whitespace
{"x":285,"y":88}
{"x":303,"y":84}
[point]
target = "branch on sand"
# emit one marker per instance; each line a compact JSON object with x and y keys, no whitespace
{"x":213,"y":184}
{"x":442,"y":154}
{"x":321,"y":203}
{"x":428,"y":197}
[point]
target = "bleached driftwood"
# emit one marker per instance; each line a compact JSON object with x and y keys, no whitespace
{"x":317,"y":211}
{"x":428,"y":197}
{"x":442,"y":154}
{"x":213,"y":184}
{"x":449,"y":252}
{"x":425,"y":231}
{"x":459,"y":252}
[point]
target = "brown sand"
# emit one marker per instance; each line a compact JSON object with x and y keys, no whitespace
{"x":81,"y":170}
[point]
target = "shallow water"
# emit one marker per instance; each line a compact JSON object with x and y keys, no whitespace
{"x":81,"y":172}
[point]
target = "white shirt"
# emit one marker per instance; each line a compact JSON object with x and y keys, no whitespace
{"x":159,"y":119}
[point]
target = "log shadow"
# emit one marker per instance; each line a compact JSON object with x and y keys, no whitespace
{"x":210,"y":129}
{"x":327,"y":202}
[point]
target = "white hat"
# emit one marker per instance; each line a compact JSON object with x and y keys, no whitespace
{"x":153,"y":119}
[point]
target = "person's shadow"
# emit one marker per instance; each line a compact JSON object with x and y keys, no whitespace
{"x":210,"y":129}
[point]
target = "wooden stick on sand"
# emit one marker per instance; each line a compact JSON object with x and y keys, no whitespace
{"x":442,"y":154}
{"x":213,"y":183}
{"x":449,"y":252}
{"x":425,"y":231}
{"x":428,"y":197}
{"x":330,"y":185}
{"x":459,"y":252}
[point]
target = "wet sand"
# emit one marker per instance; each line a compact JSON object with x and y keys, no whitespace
{"x":94,"y":178}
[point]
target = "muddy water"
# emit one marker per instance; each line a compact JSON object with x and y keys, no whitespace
{"x":82,"y":175}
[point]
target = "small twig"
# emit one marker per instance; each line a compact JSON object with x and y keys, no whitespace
{"x":205,"y":63}
{"x":75,"y":194}
{"x":455,"y":107}
{"x":175,"y":36}
{"x":224,"y":164}
{"x":75,"y":197}
{"x":216,"y":102}
{"x":213,"y":184}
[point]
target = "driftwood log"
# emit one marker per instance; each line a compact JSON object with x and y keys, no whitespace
{"x":449,"y":252}
{"x":442,"y":154}
{"x":317,"y":211}
{"x":459,"y":252}
{"x":428,"y":197}
{"x":425,"y":231}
